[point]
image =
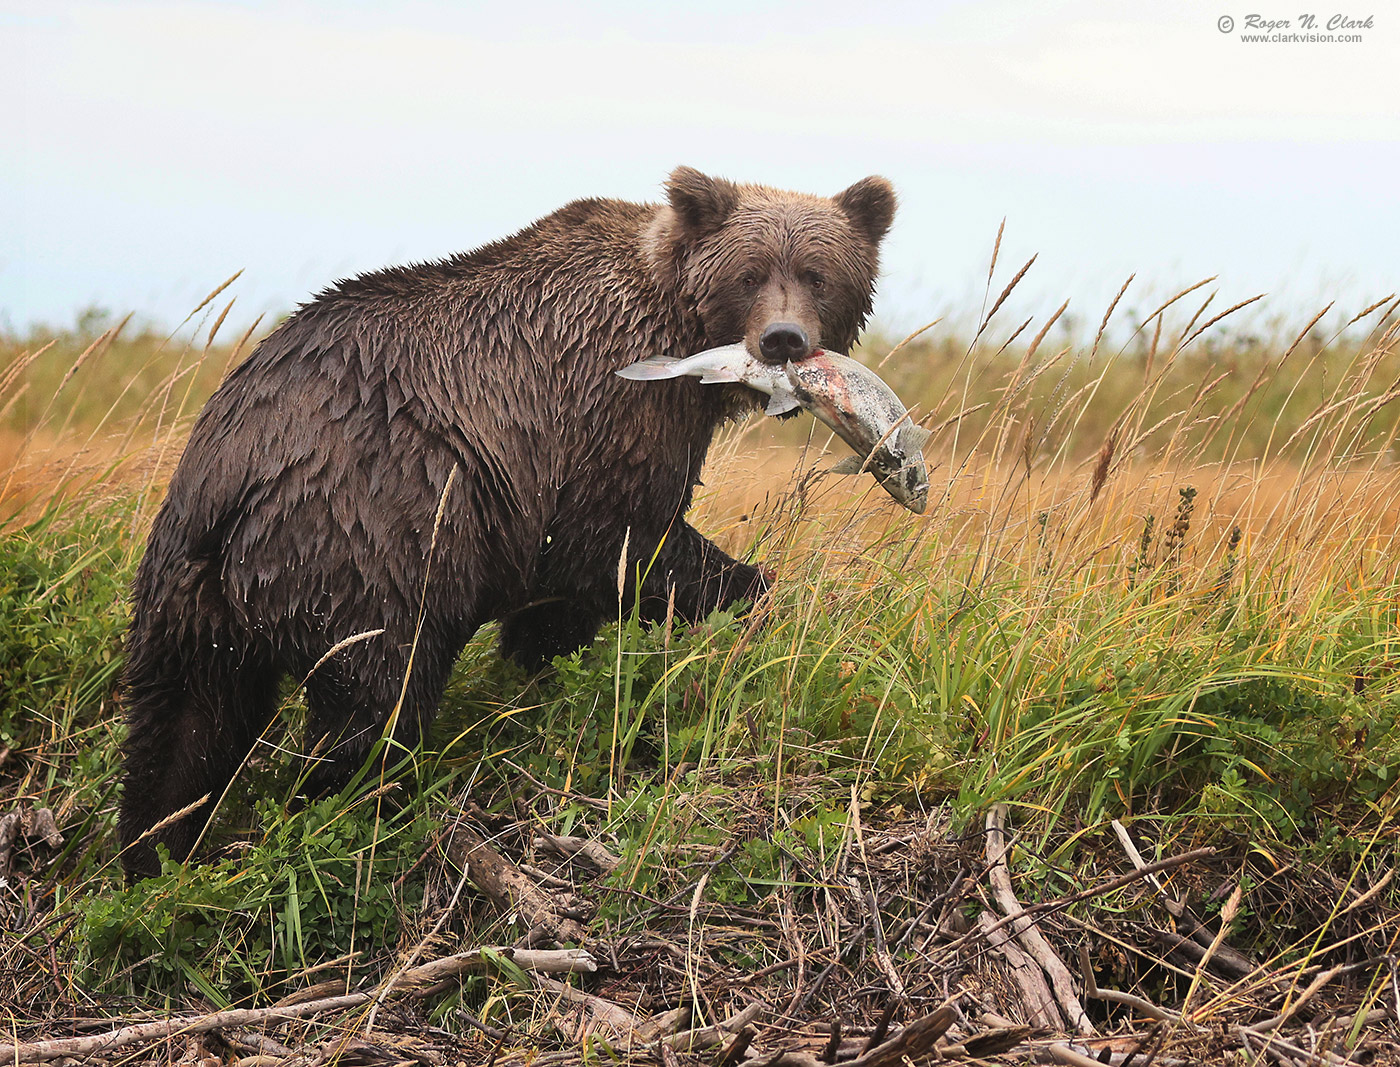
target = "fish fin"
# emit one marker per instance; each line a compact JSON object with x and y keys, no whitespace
{"x":718,"y":377}
{"x":849,"y":465}
{"x":918,"y":436}
{"x":781,"y":404}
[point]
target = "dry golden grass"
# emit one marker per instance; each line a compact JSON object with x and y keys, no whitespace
{"x":1297,"y":454}
{"x":1291,"y":441}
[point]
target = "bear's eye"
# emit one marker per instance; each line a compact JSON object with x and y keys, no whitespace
{"x":814,"y":281}
{"x":749,"y":279}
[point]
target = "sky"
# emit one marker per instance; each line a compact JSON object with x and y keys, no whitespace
{"x":148,"y":150}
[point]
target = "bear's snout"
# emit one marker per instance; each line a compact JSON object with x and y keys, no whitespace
{"x":783,"y":342}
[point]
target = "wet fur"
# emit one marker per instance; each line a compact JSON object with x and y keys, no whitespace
{"x":302,"y":512}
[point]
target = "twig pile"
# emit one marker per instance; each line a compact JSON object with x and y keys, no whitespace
{"x":909,"y":945}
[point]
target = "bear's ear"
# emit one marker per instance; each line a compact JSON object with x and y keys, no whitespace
{"x":700,"y":202}
{"x":869,"y":204}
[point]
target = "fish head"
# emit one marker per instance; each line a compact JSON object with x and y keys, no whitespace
{"x":904,"y":475}
{"x":898,"y":465}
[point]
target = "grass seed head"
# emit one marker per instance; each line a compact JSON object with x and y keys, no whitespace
{"x":1101,"y":468}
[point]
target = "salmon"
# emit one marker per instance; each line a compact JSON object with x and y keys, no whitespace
{"x":848,"y":396}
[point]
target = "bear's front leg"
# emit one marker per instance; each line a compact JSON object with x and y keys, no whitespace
{"x":704,"y":578}
{"x":535,"y":634}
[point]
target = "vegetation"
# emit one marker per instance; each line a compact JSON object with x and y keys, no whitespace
{"x":1157,"y":583}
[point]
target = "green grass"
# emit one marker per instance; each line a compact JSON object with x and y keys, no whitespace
{"x":1087,"y":645}
{"x":1085,"y":700}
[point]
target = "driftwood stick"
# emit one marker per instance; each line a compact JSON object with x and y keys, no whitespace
{"x":1272,"y":1043}
{"x":1375,"y":1015}
{"x":1192,"y":950}
{"x":545,"y":878}
{"x":911,"y":1044}
{"x":255,"y":1043}
{"x":988,"y":1043}
{"x":999,"y":874}
{"x":788,"y":1058}
{"x":509,"y":888}
{"x":869,"y":908}
{"x":538,"y":960}
{"x":666,"y":1022}
{"x":592,"y":802}
{"x":178,"y":1026}
{"x":734,"y":1051}
{"x":1106,"y":1058}
{"x":1045,"y":907}
{"x":407,"y":965}
{"x":868,"y":904}
{"x":567,"y":847}
{"x":833,"y":1044}
{"x":187,"y":1025}
{"x":882,"y":1026}
{"x":619,"y":1025}
{"x":1039,"y":1002}
{"x":707,"y":1037}
{"x":1062,"y":1053}
{"x":1303,"y":997}
{"x":1227,"y":916}
{"x":1082,"y":1056}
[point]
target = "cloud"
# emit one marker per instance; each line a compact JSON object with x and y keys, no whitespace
{"x":304,"y":140}
{"x":1079,"y":72}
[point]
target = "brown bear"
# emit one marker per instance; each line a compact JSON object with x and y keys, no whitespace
{"x":424,"y":449}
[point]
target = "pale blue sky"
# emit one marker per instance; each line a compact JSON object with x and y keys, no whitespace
{"x":150,"y":149}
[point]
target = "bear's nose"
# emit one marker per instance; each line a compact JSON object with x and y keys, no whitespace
{"x":782,"y":342}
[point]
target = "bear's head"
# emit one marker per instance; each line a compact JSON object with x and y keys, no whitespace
{"x":783,"y":272}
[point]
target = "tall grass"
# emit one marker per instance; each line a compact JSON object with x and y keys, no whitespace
{"x":106,"y":401}
{"x":1156,"y":579}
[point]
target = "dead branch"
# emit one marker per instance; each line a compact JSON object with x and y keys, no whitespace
{"x":1064,"y":1054}
{"x":1227,"y":959}
{"x":509,"y":888}
{"x":180,"y":1026}
{"x":911,"y":1043}
{"x":1039,"y":1002}
{"x":869,"y":905}
{"x":618,"y":1025}
{"x":869,"y":908}
{"x":707,"y":1037}
{"x":1114,"y":996}
{"x":566,"y":847}
{"x":1046,"y":907}
{"x":188,"y":1025}
{"x":1273,"y":1045}
{"x":990,"y":1043}
{"x":999,"y":874}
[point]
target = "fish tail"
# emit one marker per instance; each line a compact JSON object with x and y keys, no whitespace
{"x":653,"y":368}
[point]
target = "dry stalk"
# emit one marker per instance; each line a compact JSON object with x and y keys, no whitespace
{"x":1015,"y":281}
{"x":557,"y":961}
